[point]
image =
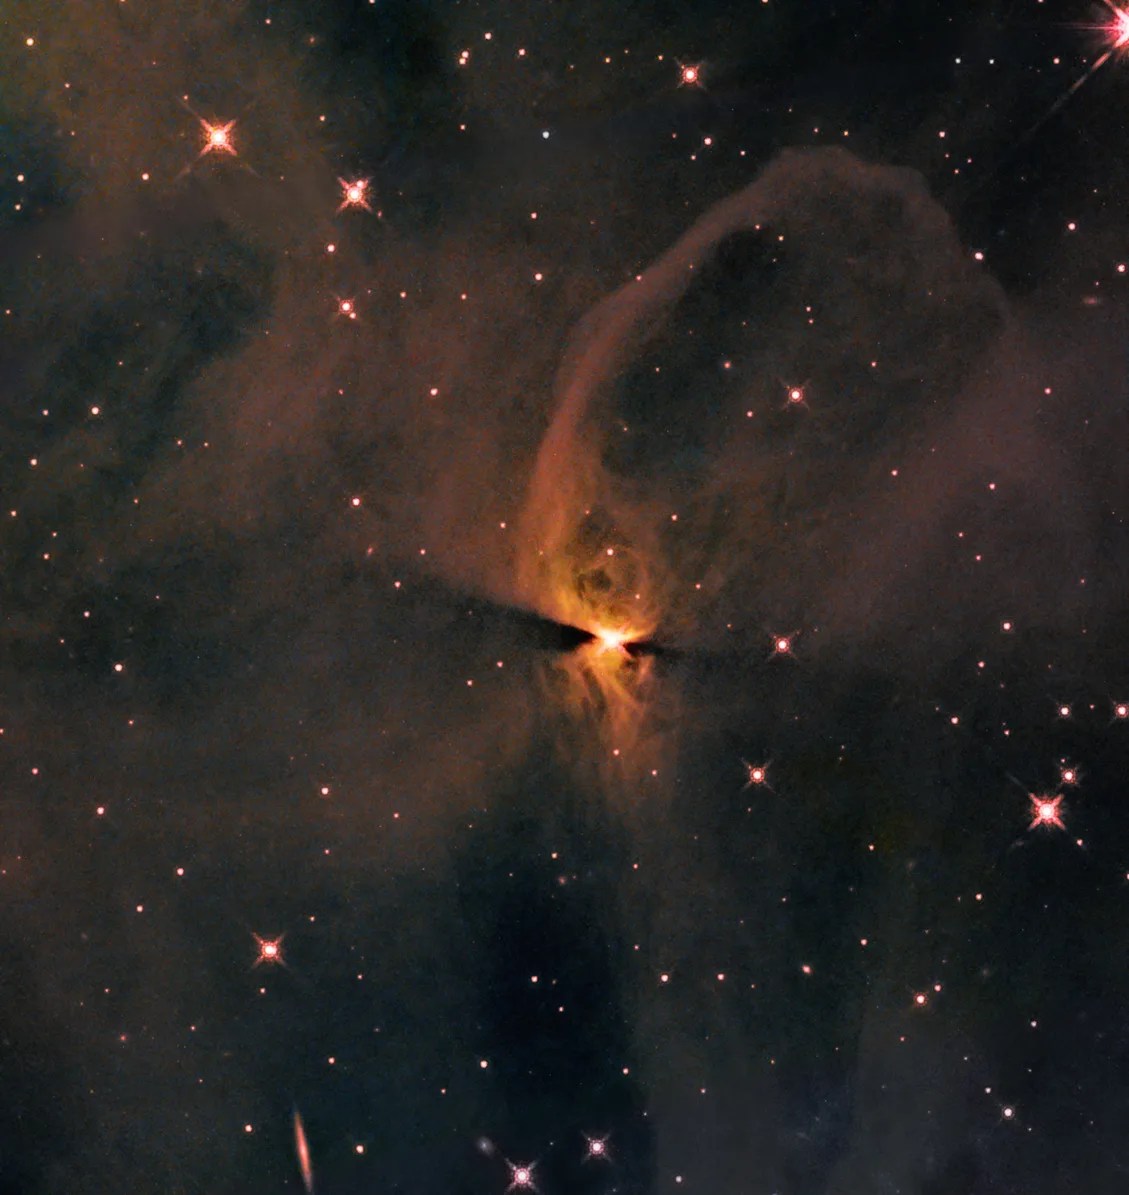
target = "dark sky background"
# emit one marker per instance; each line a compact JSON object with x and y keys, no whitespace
{"x":828,"y":343}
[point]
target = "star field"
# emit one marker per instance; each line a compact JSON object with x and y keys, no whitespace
{"x":564,"y":585}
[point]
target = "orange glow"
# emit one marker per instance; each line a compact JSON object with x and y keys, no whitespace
{"x":611,"y":640}
{"x":590,"y":565}
{"x":580,"y":581}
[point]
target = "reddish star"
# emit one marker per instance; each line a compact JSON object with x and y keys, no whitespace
{"x":689,"y":74}
{"x":756,"y":774}
{"x":1046,"y":812}
{"x":270,"y":951}
{"x":217,"y":138}
{"x":782,"y":644}
{"x":1118,"y":28}
{"x":521,"y":1177}
{"x":354,"y":194}
{"x":597,"y":1148}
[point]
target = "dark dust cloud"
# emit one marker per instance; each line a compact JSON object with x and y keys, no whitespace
{"x":630,"y":603}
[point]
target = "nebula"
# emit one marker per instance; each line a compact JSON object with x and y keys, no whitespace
{"x":728,"y":508}
{"x":532,"y":615}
